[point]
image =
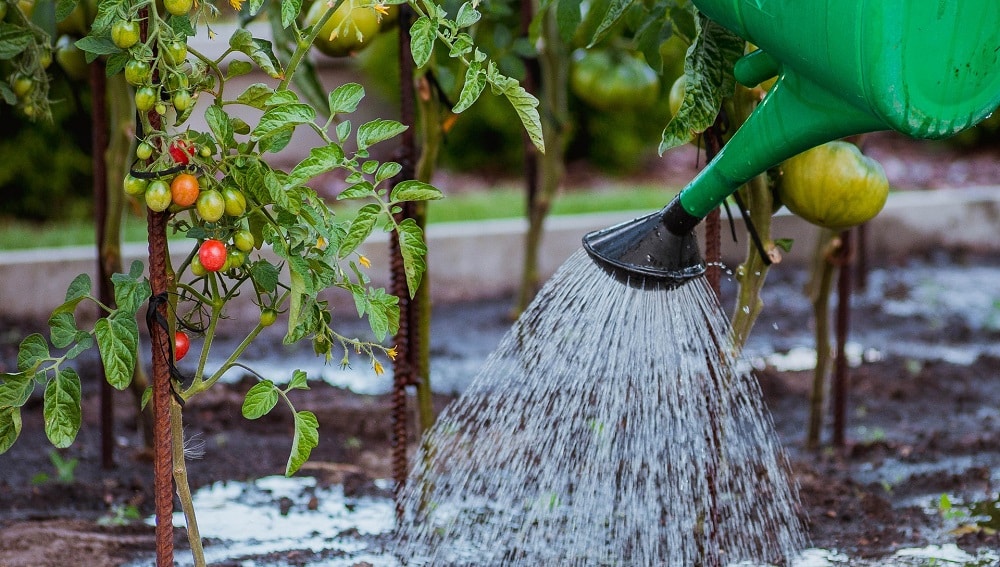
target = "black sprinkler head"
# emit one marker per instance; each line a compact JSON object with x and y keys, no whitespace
{"x":657,"y":249}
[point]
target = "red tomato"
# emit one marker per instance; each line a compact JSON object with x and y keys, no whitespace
{"x":212,"y":255}
{"x":181,"y":345}
{"x":181,"y":151}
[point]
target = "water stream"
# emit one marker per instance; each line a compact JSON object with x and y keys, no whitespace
{"x":612,"y":426}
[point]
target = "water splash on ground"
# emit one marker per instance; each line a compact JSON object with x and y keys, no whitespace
{"x":608,"y":428}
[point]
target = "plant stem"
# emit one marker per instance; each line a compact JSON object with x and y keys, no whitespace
{"x":182,"y":485}
{"x":818,"y":289}
{"x":302,"y":47}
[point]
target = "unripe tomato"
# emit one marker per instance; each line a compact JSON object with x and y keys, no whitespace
{"x":268,"y":317}
{"x":181,"y":151}
{"x":144,"y":151}
{"x":22,"y":85}
{"x":145,"y":98}
{"x":612,"y":79}
{"x":71,"y":58}
{"x":134,"y":185}
{"x":243,"y":239}
{"x":235,"y":258}
{"x":125,"y":33}
{"x":158,"y":195}
{"x":182,"y":100}
{"x":833,"y":185}
{"x":45,"y":58}
{"x":211,"y":206}
{"x":184,"y":189}
{"x":137,"y":72}
{"x":178,"y":7}
{"x":182,"y":344}
{"x":175,"y":52}
{"x":340,"y":35}
{"x":212,"y":255}
{"x":197,"y":270}
{"x":236,"y":203}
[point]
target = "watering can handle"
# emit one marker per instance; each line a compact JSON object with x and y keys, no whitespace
{"x":756,"y":67}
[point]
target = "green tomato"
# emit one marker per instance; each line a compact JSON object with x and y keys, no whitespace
{"x":235,"y":258}
{"x":613,"y":79}
{"x":236,"y":203}
{"x":158,"y":195}
{"x":134,"y":185}
{"x":22,"y":85}
{"x":145,"y":98}
{"x":243,"y":239}
{"x":175,"y":52}
{"x":71,"y":58}
{"x":137,"y":72}
{"x":178,"y":7}
{"x":144,"y":151}
{"x":268,"y":317}
{"x":160,"y":108}
{"x":45,"y":58}
{"x":197,"y":268}
{"x":210,"y":205}
{"x":182,"y":100}
{"x":125,"y":33}
{"x":348,"y":30}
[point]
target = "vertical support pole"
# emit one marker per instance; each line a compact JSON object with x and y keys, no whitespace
{"x":99,"y":142}
{"x":840,"y":376}
{"x":713,"y":232}
{"x":530,"y":84}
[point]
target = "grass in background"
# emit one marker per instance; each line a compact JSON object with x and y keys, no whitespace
{"x":498,"y":203}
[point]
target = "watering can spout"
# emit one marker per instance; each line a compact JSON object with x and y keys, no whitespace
{"x":926,"y":69}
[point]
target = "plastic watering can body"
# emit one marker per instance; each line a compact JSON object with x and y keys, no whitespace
{"x":926,"y":68}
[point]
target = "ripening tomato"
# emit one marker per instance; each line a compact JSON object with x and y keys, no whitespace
{"x":178,"y":7}
{"x":137,"y":72}
{"x":612,"y":79}
{"x":134,"y":185}
{"x":182,"y":344}
{"x":125,"y":33}
{"x":158,"y":195}
{"x":197,"y":270}
{"x":236,"y":203}
{"x":235,"y":258}
{"x":22,"y":85}
{"x":212,"y":255}
{"x":182,"y":100}
{"x":211,"y":206}
{"x":184,"y":189}
{"x":243,"y":239}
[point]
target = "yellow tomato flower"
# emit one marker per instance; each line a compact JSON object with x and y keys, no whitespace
{"x":379,"y":370}
{"x":364,"y":261}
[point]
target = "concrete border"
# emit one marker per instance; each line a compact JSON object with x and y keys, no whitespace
{"x":483,"y":259}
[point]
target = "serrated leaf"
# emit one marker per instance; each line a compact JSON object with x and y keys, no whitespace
{"x":345,"y":98}
{"x":344,"y":130}
{"x":377,"y":320}
{"x":289,"y":11}
{"x":616,"y":9}
{"x":282,"y":116}
{"x":413,"y":190}
{"x":265,"y":275}
{"x":260,"y":51}
{"x":80,"y":287}
{"x":361,"y":227}
{"x":238,"y":68}
{"x":321,"y":159}
{"x":467,"y":15}
{"x":62,"y":329}
{"x":708,"y":68}
{"x":255,"y":95}
{"x":33,"y":349}
{"x":277,"y":140}
{"x":130,"y":292}
{"x":306,"y":438}
{"x":222,"y":128}
{"x":299,"y":381}
{"x":16,"y":388}
{"x":387,"y":170}
{"x":282,"y":97}
{"x":423,"y":32}
{"x":118,"y":343}
{"x":526,"y":107}
{"x":359,"y":190}
{"x":61,"y":408}
{"x":475,"y":82}
{"x":414,"y":251}
{"x":10,"y":427}
{"x":13,"y":40}
{"x":378,"y":130}
{"x":260,"y":400}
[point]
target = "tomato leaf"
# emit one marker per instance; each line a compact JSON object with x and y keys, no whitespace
{"x":321,"y":159}
{"x":377,"y":131}
{"x":265,"y":274}
{"x":62,"y":329}
{"x":260,"y":52}
{"x":423,"y":32}
{"x":708,"y":67}
{"x":475,"y":82}
{"x":83,"y":342}
{"x":387,"y":170}
{"x":255,"y":95}
{"x":118,"y":343}
{"x":467,"y":15}
{"x":13,"y":40}
{"x":616,"y":9}
{"x":359,"y":190}
{"x":130,"y":291}
{"x":567,"y":18}
{"x":413,"y":190}
{"x":93,"y":46}
{"x":346,"y":98}
{"x":344,"y":130}
{"x":413,"y":251}
{"x":289,"y":11}
{"x":282,"y":116}
{"x":64,"y":8}
{"x":299,"y":381}
{"x":361,"y":226}
{"x":10,"y":427}
{"x":383,"y":312}
{"x":238,"y":68}
{"x":306,"y":438}
{"x":219,"y":123}
{"x":260,"y":399}
{"x":16,"y":388}
{"x":61,"y":408}
{"x":32,"y":351}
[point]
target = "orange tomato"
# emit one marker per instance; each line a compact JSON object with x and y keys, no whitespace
{"x":184,"y":189}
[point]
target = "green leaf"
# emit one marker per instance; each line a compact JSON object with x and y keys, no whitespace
{"x":32,"y":351}
{"x":475,"y":82}
{"x":289,"y":11}
{"x":361,"y":226}
{"x":359,"y":190}
{"x":61,"y":409}
{"x":784,"y":243}
{"x":320,"y":160}
{"x":413,"y":250}
{"x":147,"y":395}
{"x":260,"y":399}
{"x":256,"y":95}
{"x":130,"y":292}
{"x":306,"y":438}
{"x":423,"y":32}
{"x":15,"y":389}
{"x":118,"y":342}
{"x":346,"y":98}
{"x":62,"y":329}
{"x":387,"y":170}
{"x":282,"y":116}
{"x":343,"y":130}
{"x":238,"y":68}
{"x":265,"y":275}
{"x":383,"y":312}
{"x":13,"y":40}
{"x":708,"y":69}
{"x":94,"y":46}
{"x":80,"y":287}
{"x":64,"y":8}
{"x":299,"y":381}
{"x":616,"y":9}
{"x":277,"y":140}
{"x":222,"y":128}
{"x":567,"y":18}
{"x":378,"y":130}
{"x":526,"y":107}
{"x":254,"y":6}
{"x":282,"y":97}
{"x":260,"y":52}
{"x":10,"y":427}
{"x":83,"y":341}
{"x":413,"y":190}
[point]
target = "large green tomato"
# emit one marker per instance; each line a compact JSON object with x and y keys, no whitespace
{"x":348,"y":30}
{"x":833,"y":186}
{"x":137,"y":72}
{"x":612,"y":79}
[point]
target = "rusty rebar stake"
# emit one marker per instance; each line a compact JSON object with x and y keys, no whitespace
{"x":840,"y":370}
{"x":713,"y":225}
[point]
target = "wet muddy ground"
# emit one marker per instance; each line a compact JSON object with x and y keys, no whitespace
{"x":923,"y":423}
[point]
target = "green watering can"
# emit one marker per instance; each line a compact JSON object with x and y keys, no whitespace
{"x":926,"y":68}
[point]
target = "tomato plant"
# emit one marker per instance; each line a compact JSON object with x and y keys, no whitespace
{"x":145,"y":98}
{"x":181,"y":151}
{"x":178,"y":7}
{"x":134,"y":185}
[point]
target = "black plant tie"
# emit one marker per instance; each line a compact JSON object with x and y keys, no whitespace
{"x":154,"y":317}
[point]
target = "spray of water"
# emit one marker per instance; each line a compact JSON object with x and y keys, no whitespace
{"x":612,"y":426}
